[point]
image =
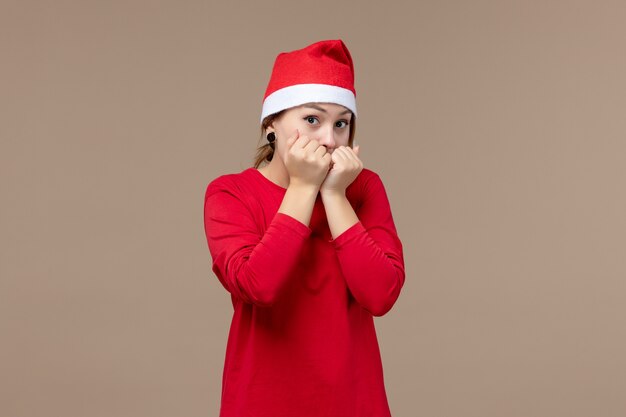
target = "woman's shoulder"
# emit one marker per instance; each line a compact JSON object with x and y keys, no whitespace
{"x":366,"y":177}
{"x":363,"y":185}
{"x":231,"y":182}
{"x":368,"y":174}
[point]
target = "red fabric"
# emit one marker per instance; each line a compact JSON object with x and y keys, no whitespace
{"x":323,"y":62}
{"x":302,"y":341}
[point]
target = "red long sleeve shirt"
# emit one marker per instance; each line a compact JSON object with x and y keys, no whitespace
{"x":302,"y":341}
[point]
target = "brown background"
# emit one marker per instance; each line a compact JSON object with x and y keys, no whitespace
{"x":498,"y":129}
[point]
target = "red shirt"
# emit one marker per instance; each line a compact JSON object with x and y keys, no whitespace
{"x":302,"y":341}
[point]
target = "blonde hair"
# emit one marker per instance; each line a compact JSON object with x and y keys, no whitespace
{"x":266,"y":152}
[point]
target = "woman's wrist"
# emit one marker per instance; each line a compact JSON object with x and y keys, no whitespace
{"x":332,"y":194}
{"x":298,"y":202}
{"x":303,"y":187}
{"x":339,"y":212}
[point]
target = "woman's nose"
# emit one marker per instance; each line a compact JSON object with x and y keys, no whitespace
{"x":328,"y":139}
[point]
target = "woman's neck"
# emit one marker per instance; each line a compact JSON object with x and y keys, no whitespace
{"x":276,"y":172}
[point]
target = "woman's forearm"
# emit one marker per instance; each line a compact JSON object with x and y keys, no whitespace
{"x":298,"y":202}
{"x":339,"y":212}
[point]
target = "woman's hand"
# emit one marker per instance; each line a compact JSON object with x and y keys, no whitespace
{"x":306,"y":161}
{"x":345,"y":168}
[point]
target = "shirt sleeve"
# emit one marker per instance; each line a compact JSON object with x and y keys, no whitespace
{"x":251,"y":265}
{"x":370,"y":252}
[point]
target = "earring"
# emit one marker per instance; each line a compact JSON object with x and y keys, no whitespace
{"x":271,"y":137}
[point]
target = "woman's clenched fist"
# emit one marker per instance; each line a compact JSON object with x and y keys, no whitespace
{"x":346,"y":167}
{"x":306,"y":161}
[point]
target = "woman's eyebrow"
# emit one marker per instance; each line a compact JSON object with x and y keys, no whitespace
{"x":313,"y":106}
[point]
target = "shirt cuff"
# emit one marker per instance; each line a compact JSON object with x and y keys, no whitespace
{"x":349,"y":234}
{"x":293,"y":224}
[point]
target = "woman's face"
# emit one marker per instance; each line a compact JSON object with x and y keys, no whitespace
{"x":327,"y":123}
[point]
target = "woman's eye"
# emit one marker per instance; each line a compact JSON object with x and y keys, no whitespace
{"x":309,"y":118}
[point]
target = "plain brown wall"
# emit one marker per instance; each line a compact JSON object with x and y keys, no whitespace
{"x":498,"y":129}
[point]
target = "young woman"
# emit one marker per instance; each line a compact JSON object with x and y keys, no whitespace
{"x":307,"y":248}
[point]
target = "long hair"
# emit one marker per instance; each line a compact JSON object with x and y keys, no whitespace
{"x":266,"y":152}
